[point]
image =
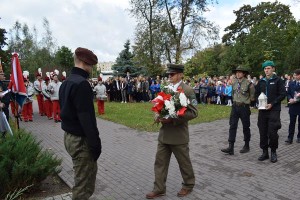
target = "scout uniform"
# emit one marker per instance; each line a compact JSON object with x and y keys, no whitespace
{"x":243,"y":92}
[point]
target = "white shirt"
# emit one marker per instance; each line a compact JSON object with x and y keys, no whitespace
{"x":175,"y":87}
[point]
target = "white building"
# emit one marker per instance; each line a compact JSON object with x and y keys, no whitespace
{"x":105,"y":66}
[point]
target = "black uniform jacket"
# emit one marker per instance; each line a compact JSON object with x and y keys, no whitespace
{"x":274,"y":89}
{"x":77,"y":109}
{"x":293,"y":88}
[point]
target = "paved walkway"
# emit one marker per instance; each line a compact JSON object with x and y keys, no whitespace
{"x":126,"y":163}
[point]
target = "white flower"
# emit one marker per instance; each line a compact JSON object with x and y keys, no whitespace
{"x":184,"y":101}
{"x":170,"y":107}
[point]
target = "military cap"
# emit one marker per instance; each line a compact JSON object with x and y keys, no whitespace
{"x":268,"y":63}
{"x":242,"y":69}
{"x":86,"y":56}
{"x":175,"y":68}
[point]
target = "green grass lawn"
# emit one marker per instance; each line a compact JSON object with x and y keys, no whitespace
{"x":139,"y":115}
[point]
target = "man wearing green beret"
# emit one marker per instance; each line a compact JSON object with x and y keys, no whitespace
{"x":243,"y":92}
{"x":269,"y":119}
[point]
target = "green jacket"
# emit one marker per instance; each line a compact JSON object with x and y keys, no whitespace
{"x":177,"y":132}
{"x":245,"y":93}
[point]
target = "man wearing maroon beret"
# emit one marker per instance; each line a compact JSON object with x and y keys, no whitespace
{"x":81,"y":136}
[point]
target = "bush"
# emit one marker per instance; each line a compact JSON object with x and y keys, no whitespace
{"x":23,"y":162}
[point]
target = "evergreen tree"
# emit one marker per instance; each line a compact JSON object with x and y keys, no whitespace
{"x":124,"y":63}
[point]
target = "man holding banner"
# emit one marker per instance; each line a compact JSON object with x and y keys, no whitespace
{"x":16,"y":84}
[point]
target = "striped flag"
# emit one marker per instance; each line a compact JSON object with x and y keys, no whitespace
{"x":16,"y":81}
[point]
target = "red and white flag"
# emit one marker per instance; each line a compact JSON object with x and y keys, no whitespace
{"x":16,"y":81}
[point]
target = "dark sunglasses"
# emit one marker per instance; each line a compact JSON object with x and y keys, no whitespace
{"x":172,"y":74}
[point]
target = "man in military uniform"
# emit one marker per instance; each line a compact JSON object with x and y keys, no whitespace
{"x":174,"y":138}
{"x":269,"y":119}
{"x":243,"y":92}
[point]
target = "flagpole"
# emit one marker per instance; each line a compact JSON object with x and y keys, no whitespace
{"x":17,"y":86}
{"x":17,"y":115}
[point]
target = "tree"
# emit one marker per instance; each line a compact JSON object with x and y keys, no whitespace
{"x":124,"y":62}
{"x":148,"y":48}
{"x":48,"y":41}
{"x":64,"y":58}
{"x":180,"y":24}
{"x":247,"y":17}
{"x":4,"y":55}
{"x":207,"y":61}
{"x":186,"y":26}
{"x":33,"y":54}
{"x":292,"y":60}
{"x":260,"y":33}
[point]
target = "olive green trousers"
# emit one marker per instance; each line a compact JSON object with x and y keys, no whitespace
{"x":85,"y":168}
{"x":162,"y":161}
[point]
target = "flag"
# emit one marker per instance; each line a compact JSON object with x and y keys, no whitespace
{"x":16,"y":81}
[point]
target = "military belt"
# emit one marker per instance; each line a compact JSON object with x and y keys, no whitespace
{"x":240,"y":104}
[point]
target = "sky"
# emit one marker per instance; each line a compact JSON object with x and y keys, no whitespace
{"x":102,"y":26}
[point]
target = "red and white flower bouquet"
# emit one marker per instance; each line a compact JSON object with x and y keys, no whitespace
{"x":170,"y":104}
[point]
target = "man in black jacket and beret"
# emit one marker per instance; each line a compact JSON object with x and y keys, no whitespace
{"x":81,"y":136}
{"x":269,"y":119}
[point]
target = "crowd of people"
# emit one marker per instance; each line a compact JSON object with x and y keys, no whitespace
{"x":46,"y":92}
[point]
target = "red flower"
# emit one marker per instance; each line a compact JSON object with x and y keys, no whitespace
{"x":159,"y":105}
{"x":165,"y":96}
{"x":159,"y":101}
{"x":179,"y":89}
{"x":181,"y":111}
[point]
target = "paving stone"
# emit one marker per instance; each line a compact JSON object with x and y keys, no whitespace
{"x":125,"y":167}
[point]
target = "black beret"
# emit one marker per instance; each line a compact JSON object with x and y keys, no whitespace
{"x":175,"y":68}
{"x":86,"y":56}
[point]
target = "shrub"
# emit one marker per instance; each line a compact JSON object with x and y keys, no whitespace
{"x":23,"y":162}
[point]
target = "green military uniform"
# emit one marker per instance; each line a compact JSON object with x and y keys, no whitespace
{"x":243,"y":92}
{"x":174,"y":138}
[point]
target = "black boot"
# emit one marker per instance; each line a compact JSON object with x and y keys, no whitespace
{"x":246,"y":148}
{"x":273,"y":156}
{"x":229,"y":150}
{"x":264,"y":156}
